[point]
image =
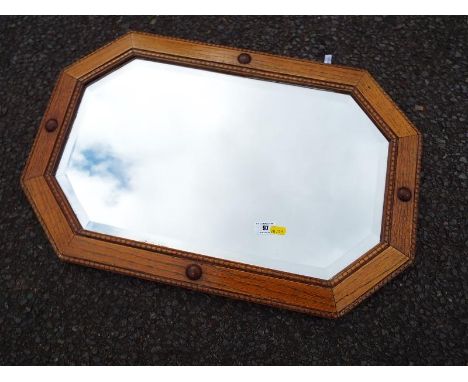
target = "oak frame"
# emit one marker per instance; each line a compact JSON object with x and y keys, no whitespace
{"x":326,"y":298}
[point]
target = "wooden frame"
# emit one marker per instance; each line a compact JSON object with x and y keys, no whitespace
{"x":330,"y":298}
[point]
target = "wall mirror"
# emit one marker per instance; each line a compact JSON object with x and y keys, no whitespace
{"x":269,"y":179}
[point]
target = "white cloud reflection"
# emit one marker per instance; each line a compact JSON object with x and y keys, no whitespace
{"x":192,"y":159}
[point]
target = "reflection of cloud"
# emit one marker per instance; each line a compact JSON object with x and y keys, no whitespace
{"x":102,"y":163}
{"x":100,"y":179}
{"x":192,"y":160}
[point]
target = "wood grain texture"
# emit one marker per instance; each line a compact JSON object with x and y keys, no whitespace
{"x":351,"y":289}
{"x":166,"y":267}
{"x":403,"y":225}
{"x":327,"y":298}
{"x":260,"y":61}
{"x":52,"y":219}
{"x":100,"y":57}
{"x":381,"y":103}
{"x":44,"y":142}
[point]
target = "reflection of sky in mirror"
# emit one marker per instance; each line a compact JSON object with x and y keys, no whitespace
{"x":192,"y":159}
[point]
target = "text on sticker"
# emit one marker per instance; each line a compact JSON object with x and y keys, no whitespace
{"x":277,"y":230}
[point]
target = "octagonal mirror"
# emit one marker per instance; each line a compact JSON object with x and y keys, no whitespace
{"x":207,"y":163}
{"x":280,"y":181}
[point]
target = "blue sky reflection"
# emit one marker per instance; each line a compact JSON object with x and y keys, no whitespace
{"x":100,"y":162}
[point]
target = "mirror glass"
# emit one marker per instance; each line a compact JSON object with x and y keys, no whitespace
{"x":268,"y":174}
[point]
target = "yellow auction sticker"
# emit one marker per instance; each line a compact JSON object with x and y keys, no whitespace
{"x":277,"y":230}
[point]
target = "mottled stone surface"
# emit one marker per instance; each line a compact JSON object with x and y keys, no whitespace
{"x":56,"y":313}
